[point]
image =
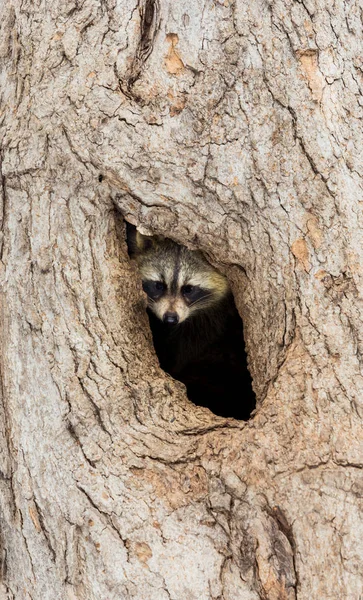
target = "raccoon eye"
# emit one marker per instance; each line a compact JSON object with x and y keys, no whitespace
{"x":154,"y":289}
{"x":187,"y":290}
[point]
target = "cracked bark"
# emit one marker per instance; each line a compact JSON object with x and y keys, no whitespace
{"x":232,"y":127}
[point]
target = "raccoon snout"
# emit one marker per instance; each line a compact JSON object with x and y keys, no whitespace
{"x":171,"y":318}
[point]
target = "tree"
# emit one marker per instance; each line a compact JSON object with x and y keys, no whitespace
{"x":231,"y":127}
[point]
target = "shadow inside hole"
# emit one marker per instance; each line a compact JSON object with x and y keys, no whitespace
{"x":206,"y":351}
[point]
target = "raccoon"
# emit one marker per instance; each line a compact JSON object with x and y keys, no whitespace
{"x":196,"y":329}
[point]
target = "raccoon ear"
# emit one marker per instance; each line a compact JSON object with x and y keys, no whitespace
{"x":137,"y":242}
{"x":143,"y":242}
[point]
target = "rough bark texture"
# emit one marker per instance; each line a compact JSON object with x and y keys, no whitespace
{"x":234,"y":127}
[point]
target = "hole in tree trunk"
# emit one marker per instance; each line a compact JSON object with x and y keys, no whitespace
{"x":197,"y":331}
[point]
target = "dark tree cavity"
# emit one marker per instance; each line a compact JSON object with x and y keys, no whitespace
{"x":206,"y":351}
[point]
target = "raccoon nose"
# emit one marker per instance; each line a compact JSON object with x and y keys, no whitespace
{"x":171,"y":318}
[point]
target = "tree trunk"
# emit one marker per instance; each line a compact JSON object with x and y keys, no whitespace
{"x":229,"y":126}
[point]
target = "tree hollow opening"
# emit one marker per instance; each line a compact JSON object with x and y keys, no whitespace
{"x":196,"y":328}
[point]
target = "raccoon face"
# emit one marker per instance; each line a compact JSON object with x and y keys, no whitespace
{"x":178,"y":282}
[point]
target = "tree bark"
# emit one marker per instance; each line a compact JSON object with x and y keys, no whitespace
{"x":228,"y":126}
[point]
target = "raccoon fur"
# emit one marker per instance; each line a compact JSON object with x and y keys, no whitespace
{"x":197,"y":331}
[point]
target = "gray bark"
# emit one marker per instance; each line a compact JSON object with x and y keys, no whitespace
{"x":234,"y":127}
